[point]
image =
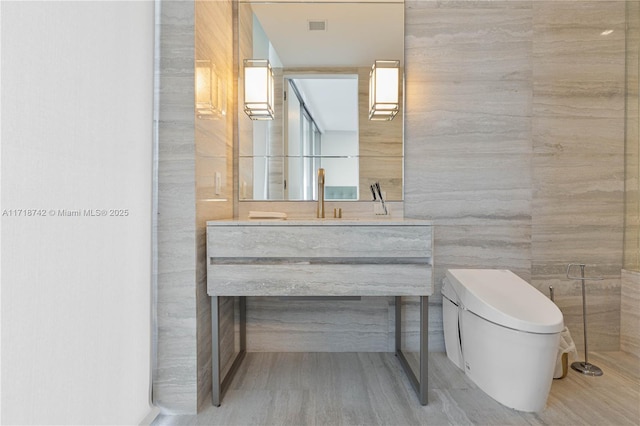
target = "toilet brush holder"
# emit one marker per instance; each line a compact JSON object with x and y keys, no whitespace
{"x":584,"y":367}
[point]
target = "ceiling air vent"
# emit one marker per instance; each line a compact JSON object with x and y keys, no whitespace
{"x":317,"y":25}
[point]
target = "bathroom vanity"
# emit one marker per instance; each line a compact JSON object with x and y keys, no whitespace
{"x":327,"y":258}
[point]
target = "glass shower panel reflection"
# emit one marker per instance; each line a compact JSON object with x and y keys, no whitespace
{"x":261,"y":165}
{"x":268,"y":178}
{"x":307,"y":163}
{"x":294,"y":169}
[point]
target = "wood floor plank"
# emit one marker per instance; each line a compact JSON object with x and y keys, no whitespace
{"x":369,"y":388}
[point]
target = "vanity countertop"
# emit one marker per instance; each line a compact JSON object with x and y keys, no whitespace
{"x":320,"y":222}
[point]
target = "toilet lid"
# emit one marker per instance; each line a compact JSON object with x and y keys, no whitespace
{"x":500,"y":296}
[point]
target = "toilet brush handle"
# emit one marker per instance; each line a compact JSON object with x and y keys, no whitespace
{"x":584,"y":317}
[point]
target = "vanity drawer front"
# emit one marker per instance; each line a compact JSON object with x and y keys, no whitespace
{"x":319,"y":241}
{"x":319,"y":280}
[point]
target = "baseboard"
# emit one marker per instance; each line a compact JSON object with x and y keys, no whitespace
{"x":150,"y":417}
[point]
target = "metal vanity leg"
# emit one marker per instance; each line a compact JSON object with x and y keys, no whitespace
{"x":219,"y":384}
{"x":215,"y":351}
{"x":424,"y":349}
{"x":242,"y":302}
{"x":398,"y":326}
{"x":420,"y":384}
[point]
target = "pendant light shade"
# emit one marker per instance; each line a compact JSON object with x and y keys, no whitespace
{"x":258,"y":89}
{"x":210,"y":91}
{"x":383,"y":90}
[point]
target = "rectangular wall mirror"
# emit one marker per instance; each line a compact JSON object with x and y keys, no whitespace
{"x":321,"y":56}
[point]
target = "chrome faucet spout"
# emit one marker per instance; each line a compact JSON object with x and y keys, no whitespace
{"x":320,"y":209}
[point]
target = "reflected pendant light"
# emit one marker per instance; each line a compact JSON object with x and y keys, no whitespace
{"x":210,"y":93}
{"x":258,"y":89}
{"x":383,"y":90}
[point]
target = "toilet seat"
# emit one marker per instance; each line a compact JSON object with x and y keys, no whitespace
{"x":503,"y":298}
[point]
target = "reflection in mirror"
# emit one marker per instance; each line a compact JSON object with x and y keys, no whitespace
{"x":321,"y":56}
{"x":321,"y":124}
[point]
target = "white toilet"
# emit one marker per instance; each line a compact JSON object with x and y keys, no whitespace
{"x":503,"y":333}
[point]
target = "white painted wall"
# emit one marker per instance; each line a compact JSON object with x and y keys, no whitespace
{"x":340,"y":143}
{"x":77,"y":114}
{"x":340,"y":171}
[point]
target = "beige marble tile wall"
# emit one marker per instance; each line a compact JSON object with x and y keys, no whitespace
{"x":381,"y":143}
{"x":244,"y":17}
{"x":514,"y":143}
{"x":284,"y":325}
{"x":578,"y":159}
{"x":276,"y":135}
{"x":632,"y":141}
{"x":214,"y":162}
{"x":468,"y":134}
{"x":630,"y":313}
{"x":630,"y":294}
{"x":192,"y":151}
{"x":175,"y":377}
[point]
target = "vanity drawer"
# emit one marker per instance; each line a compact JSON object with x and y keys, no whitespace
{"x":245,"y":242}
{"x":306,"y":279}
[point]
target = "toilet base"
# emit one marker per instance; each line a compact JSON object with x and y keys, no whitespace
{"x":515,"y":368}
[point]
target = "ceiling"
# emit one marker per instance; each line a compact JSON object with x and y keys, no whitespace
{"x":356,"y":33}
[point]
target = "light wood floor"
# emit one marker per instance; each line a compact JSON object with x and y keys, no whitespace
{"x":371,"y":389}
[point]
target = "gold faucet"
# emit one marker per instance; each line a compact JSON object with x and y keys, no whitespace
{"x":320,"y":209}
